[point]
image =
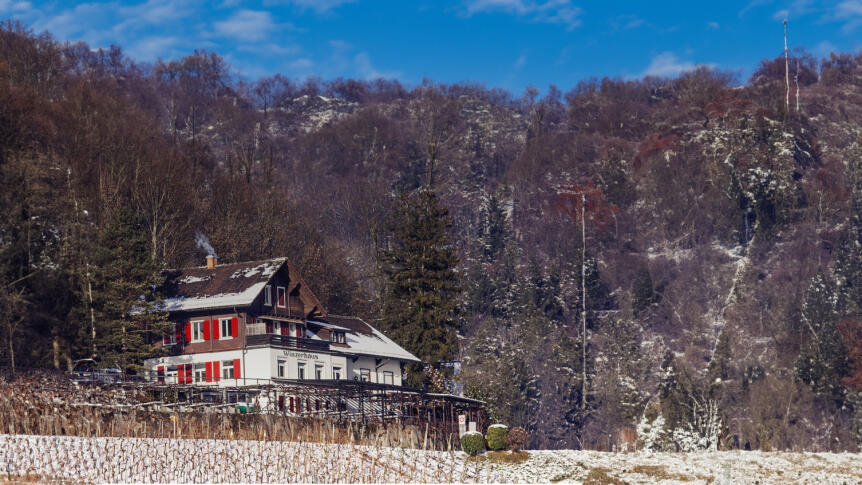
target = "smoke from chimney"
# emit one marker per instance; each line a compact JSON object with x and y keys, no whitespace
{"x":203,"y":242}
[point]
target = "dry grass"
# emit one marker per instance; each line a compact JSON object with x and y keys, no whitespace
{"x":660,"y":472}
{"x":501,"y":457}
{"x":602,"y":476}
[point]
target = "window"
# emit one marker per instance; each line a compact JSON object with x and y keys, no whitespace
{"x":198,"y":331}
{"x":227,"y":369}
{"x":300,"y":370}
{"x":225,"y":329}
{"x":282,"y":368}
{"x":318,"y":371}
{"x":388,"y":377}
{"x":365,"y":375}
{"x":200,"y":373}
{"x":267,"y":295}
{"x":336,"y":372}
{"x":169,"y":340}
{"x":171,"y":376}
{"x":282,"y":303}
{"x":337,"y":337}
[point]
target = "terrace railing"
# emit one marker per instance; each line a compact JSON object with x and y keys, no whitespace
{"x":284,"y":341}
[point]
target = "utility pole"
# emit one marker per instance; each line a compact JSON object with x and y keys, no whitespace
{"x":584,"y":299}
{"x":786,"y":71}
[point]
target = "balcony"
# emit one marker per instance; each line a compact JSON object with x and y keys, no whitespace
{"x":283,"y":341}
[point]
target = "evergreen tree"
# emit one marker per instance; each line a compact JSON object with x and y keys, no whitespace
{"x":125,"y":296}
{"x":823,"y":360}
{"x":420,"y":309}
{"x":643,"y":292}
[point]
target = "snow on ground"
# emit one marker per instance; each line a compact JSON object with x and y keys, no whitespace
{"x":100,"y":460}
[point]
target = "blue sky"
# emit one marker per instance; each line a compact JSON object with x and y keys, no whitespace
{"x":501,"y":43}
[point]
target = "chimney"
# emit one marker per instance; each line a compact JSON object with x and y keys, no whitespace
{"x":212,"y":261}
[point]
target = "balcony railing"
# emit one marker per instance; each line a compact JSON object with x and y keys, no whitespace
{"x":285,"y":341}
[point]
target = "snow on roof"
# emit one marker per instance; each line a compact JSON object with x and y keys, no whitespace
{"x":363,"y":339}
{"x":224,"y":286}
{"x":220,"y":300}
{"x":376,"y":344}
{"x":329,"y":325}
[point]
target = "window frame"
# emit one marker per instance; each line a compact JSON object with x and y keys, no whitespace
{"x":197,"y":328}
{"x":364,"y":375}
{"x":318,"y":371}
{"x":280,"y":302}
{"x":267,"y":295}
{"x":281,"y":368}
{"x":171,"y":339}
{"x":300,"y":370}
{"x":227,"y":371}
{"x":199,"y":372}
{"x":336,"y":372}
{"x":390,"y":376}
{"x":222,"y":335}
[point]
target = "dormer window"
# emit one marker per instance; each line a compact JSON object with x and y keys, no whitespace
{"x":337,"y":337}
{"x":282,"y":300}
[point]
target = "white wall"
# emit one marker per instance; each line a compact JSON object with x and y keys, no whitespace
{"x":376,"y":371}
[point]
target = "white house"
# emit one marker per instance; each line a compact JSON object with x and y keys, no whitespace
{"x":257,"y":322}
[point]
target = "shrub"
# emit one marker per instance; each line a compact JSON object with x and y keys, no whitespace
{"x":497,"y":434}
{"x":472,"y":443}
{"x":517,"y":439}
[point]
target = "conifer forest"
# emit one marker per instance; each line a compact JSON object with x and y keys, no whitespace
{"x":681,"y":257}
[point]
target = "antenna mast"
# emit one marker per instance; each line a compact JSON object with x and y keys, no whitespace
{"x":786,"y":70}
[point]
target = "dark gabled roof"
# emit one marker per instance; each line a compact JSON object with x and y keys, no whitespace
{"x":224,"y":286}
{"x":355,"y":324}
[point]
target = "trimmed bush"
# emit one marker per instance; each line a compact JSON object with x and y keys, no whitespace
{"x":472,"y":443}
{"x":497,"y":434}
{"x":517,"y":439}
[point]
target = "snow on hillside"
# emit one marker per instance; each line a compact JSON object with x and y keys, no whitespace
{"x":183,"y":460}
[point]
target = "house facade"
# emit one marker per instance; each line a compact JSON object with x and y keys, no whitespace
{"x":252,"y":323}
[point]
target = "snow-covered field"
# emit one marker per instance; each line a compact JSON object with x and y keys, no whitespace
{"x":74,"y":459}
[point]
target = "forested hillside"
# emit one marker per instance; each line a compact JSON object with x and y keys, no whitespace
{"x":709,"y":227}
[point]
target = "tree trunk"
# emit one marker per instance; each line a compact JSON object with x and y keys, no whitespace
{"x":584,"y":300}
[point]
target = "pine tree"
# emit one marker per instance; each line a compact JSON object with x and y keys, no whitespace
{"x":823,"y":360}
{"x":125,"y":296}
{"x":643,"y":292}
{"x":420,"y":310}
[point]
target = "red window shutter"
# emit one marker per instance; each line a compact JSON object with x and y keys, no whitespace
{"x":291,"y":404}
{"x":181,"y":374}
{"x":298,"y":331}
{"x":178,"y":332}
{"x":285,"y":330}
{"x":268,"y":327}
{"x":234,"y":327}
{"x":217,"y":371}
{"x":236,"y":369}
{"x":188,"y":331}
{"x":206,"y":326}
{"x":209,"y":370}
{"x":216,"y":329}
{"x":189,"y":374}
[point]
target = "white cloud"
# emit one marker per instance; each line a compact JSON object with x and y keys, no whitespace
{"x":365,"y":69}
{"x":667,"y":64}
{"x":319,"y":6}
{"x":521,"y":62}
{"x":15,"y":7}
{"x":247,"y":25}
{"x":781,"y":15}
{"x":152,"y":48}
{"x":713,"y":25}
{"x":824,"y":48}
{"x":561,"y":12}
{"x":849,"y":12}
